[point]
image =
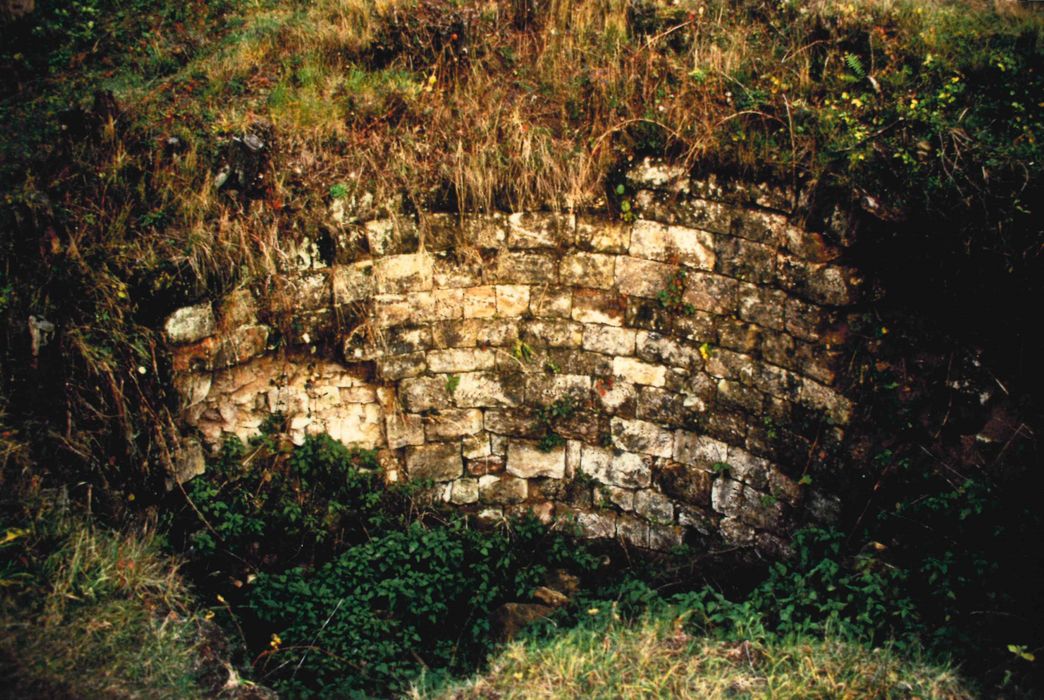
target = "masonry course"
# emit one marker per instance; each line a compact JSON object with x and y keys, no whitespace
{"x":687,"y":422}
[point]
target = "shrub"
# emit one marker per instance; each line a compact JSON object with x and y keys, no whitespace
{"x":407,"y":600}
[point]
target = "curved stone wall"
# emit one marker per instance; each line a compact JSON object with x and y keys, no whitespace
{"x":682,"y":364}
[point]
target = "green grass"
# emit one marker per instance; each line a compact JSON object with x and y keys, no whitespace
{"x":100,"y":614}
{"x":658,"y":657}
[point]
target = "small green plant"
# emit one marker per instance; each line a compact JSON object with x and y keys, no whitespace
{"x":672,"y":297}
{"x":624,"y":203}
{"x":338,"y":191}
{"x":522,"y":351}
{"x":452,"y":382}
{"x":549,"y":416}
{"x":721,"y":469}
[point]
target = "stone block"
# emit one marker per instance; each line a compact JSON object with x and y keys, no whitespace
{"x":356,"y":424}
{"x":395,"y":309}
{"x":403,"y":429}
{"x":691,"y":448}
{"x":480,"y":302}
{"x":464,"y":492}
{"x":488,"y":389}
{"x":655,"y":241}
{"x":512,"y":300}
{"x":637,"y":372}
{"x":449,"y":304}
{"x":740,"y":336}
{"x":476,"y":447}
{"x":586,"y":426}
{"x":660,"y":349}
{"x":643,"y":278}
{"x":649,"y":314}
{"x":745,"y":260}
{"x":516,"y":422}
{"x":528,"y":230}
{"x":836,"y":408}
{"x":550,"y":302}
{"x":615,"y":397}
{"x":735,"y":396}
{"x":449,"y":272}
{"x":502,"y":489}
{"x":401,"y":274}
{"x":663,"y":407}
{"x":438,"y":461}
{"x":616,"y":468}
{"x":569,"y":361}
{"x":687,"y":483}
{"x":545,"y":389}
{"x":457,"y":360}
{"x":450,"y":424}
{"x":804,"y":320}
{"x":552,"y":333}
{"x":609,"y":340}
{"x":588,"y":270}
{"x":736,"y":500}
{"x":525,"y":268}
{"x":603,"y":236}
{"x":594,"y":306}
{"x":526,"y":460}
{"x":395,"y":367}
{"x":424,"y":393}
{"x":642,"y":436}
{"x":710,"y":292}
{"x":472,"y":332}
{"x":632,"y":531}
{"x":353,"y":283}
{"x":190,"y":324}
{"x":761,"y":305}
{"x":402,"y":340}
{"x":654,"y":506}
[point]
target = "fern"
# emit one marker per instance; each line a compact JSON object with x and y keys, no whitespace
{"x":855,"y":65}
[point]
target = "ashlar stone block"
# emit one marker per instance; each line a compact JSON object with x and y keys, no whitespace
{"x":526,"y":460}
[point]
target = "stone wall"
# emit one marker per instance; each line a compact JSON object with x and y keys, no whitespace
{"x":691,"y":354}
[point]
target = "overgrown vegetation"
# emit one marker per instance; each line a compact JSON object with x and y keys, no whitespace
{"x":126,"y":195}
{"x":338,"y":585}
{"x":92,"y":613}
{"x":663,"y":656}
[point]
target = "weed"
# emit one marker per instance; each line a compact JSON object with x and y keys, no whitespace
{"x":452,"y":382}
{"x":549,"y":416}
{"x":672,"y":297}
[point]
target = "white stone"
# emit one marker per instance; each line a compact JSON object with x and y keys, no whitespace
{"x":399,"y":274}
{"x":190,"y":324}
{"x":512,"y":299}
{"x":642,"y":436}
{"x":527,"y":461}
{"x":616,"y":468}
{"x":638,"y":372}
{"x":609,"y":340}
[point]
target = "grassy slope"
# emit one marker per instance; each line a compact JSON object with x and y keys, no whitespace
{"x":92,"y":613}
{"x":657,"y":658}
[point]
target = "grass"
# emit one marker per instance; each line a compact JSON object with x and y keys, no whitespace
{"x":101,"y":614}
{"x":656,"y":657}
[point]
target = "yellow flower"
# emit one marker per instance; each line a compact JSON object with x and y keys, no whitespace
{"x":593,"y":611}
{"x":276,"y":641}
